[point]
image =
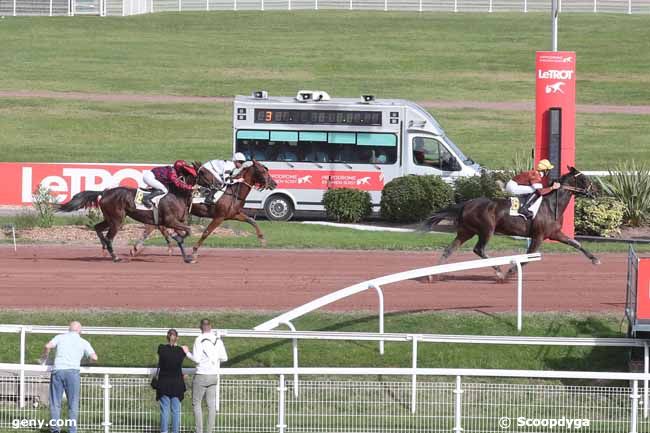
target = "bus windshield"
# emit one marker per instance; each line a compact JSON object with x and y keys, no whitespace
{"x":318,"y":146}
{"x":457,"y":151}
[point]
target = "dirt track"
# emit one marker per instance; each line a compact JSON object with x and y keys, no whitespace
{"x":70,"y":277}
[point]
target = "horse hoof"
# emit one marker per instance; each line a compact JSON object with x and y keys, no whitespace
{"x":595,"y":261}
{"x":190,"y":260}
{"x":263,"y":242}
{"x":170,"y":251}
{"x":116,"y":260}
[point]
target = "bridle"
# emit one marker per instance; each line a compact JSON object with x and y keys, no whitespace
{"x":586,"y":191}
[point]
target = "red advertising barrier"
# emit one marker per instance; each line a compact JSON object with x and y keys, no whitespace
{"x":555,"y":82}
{"x":65,"y":180}
{"x":643,"y":290}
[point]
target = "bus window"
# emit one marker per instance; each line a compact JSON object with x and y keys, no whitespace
{"x":431,"y":153}
{"x":319,"y":147}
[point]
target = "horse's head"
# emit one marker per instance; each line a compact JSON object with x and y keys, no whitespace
{"x":578,"y":183}
{"x":256,"y":174}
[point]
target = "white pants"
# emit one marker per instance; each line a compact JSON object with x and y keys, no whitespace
{"x":150,"y":179}
{"x":514,"y":188}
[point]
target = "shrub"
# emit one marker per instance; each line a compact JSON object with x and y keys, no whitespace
{"x":347,"y":204}
{"x":485,"y":185}
{"x":43,"y":202}
{"x":600,"y":217}
{"x":413,"y":198}
{"x":26,"y":220}
{"x":630,"y":184}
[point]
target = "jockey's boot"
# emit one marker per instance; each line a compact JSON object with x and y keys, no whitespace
{"x":524,"y":209}
{"x":147,"y":198}
{"x":209,"y":198}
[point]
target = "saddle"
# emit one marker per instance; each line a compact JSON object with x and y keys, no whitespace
{"x":202,"y":195}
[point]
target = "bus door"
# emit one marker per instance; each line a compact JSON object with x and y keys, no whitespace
{"x":428,"y":155}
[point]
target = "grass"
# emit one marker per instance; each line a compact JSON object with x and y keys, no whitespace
{"x":46,"y":130}
{"x":416,"y":56}
{"x":296,"y":235}
{"x":118,"y":350}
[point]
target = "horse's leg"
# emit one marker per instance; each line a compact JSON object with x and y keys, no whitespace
{"x":209,"y":229}
{"x":561,"y":237}
{"x":139,"y":244}
{"x":462,"y":236}
{"x":179,"y":228}
{"x":168,"y":239}
{"x":535,"y":243}
{"x":241,"y":216}
{"x":114,"y":227}
{"x":99,"y":229}
{"x":479,"y":249}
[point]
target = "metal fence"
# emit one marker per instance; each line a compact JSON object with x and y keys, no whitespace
{"x":123,"y":402}
{"x":134,"y":7}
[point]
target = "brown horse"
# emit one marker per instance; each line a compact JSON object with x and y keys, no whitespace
{"x":485,"y":217}
{"x":229,"y":207}
{"x":118,"y":203}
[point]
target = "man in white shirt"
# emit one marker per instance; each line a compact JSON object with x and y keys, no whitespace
{"x":222,"y":171}
{"x":208,"y":353}
{"x":70,"y":350}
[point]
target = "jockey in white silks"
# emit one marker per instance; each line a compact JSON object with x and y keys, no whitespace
{"x":222,"y":170}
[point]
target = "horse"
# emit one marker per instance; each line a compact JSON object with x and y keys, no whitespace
{"x":118,"y":203}
{"x":229,"y":207}
{"x":485,"y":217}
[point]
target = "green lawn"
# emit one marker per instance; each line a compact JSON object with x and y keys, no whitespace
{"x":50,"y":130}
{"x":488,"y":57}
{"x":298,"y":235}
{"x":118,"y":351}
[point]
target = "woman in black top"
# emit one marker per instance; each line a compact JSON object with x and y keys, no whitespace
{"x":171,"y":386}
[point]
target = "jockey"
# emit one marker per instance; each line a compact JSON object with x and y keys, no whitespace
{"x":222,"y":170}
{"x":159,"y":177}
{"x":530,"y":182}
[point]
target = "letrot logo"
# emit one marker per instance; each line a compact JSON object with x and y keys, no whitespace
{"x":304,"y":179}
{"x":555,"y":88}
{"x":555,"y":74}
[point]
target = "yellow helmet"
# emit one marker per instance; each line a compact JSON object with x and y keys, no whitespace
{"x":544,"y":164}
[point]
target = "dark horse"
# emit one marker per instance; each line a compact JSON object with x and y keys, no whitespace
{"x":485,"y":217}
{"x":118,"y":203}
{"x":229,"y":207}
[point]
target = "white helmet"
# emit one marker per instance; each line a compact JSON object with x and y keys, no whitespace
{"x":239,"y":157}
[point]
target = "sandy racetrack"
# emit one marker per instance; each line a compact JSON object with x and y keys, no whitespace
{"x":72,"y":277}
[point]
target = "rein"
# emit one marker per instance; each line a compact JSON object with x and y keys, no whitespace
{"x":574,"y":189}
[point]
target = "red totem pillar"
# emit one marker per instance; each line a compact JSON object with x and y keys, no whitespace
{"x":555,"y":115}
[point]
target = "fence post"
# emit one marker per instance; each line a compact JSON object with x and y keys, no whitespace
{"x":629,"y":7}
{"x":315,"y":5}
{"x":207,"y":5}
{"x":294,"y":347}
{"x":385,"y":5}
{"x":635,"y":406}
{"x":646,"y":370}
{"x":458,"y":393}
{"x":380,"y":295}
{"x":14,"y":7}
{"x":595,"y":6}
{"x":262,"y":5}
{"x":520,"y":284}
{"x":350,"y":4}
{"x":420,"y":6}
{"x":22,"y":368}
{"x":281,"y":389}
{"x":289,"y":5}
{"x":490,"y":7}
{"x":12,"y":228}
{"x":525,"y":6}
{"x":455,"y":5}
{"x":107,"y":404}
{"x":414,"y":366}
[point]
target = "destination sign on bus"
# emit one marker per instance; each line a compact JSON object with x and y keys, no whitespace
{"x":318,"y":117}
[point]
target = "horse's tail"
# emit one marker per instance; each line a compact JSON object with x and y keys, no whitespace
{"x":453,"y":213}
{"x":81,"y":200}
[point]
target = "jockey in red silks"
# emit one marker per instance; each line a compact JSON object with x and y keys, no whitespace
{"x":159,"y":177}
{"x":531,"y":182}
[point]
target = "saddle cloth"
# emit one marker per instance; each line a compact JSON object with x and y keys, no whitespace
{"x":200,"y":198}
{"x":516,"y":204}
{"x":139,"y":196}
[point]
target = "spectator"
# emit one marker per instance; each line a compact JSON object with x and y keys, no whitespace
{"x":70,"y":350}
{"x":171,"y":386}
{"x":207,"y":353}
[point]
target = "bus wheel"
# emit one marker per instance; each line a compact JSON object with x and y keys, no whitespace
{"x":278,"y":208}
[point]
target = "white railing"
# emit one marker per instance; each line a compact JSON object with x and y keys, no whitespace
{"x":413,"y":340}
{"x":377,"y":283}
{"x":346,"y":400}
{"x":131,"y":7}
